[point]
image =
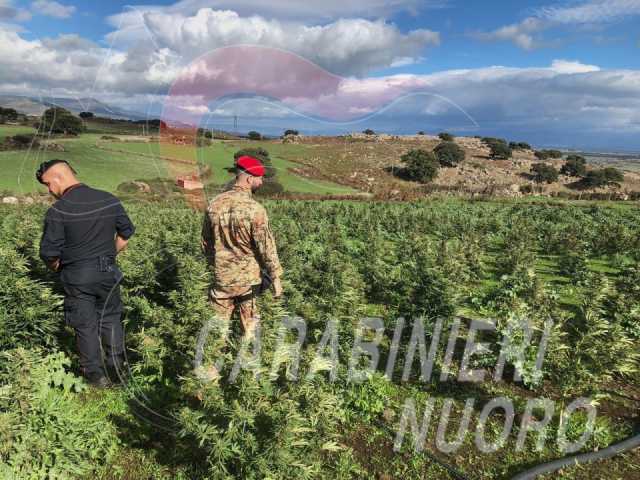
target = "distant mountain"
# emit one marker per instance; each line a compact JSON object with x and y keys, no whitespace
{"x":36,"y":106}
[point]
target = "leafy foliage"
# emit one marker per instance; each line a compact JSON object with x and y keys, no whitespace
{"x":421,"y":165}
{"x":500,"y":150}
{"x":449,"y":154}
{"x":519,"y":146}
{"x":603,"y":177}
{"x":544,"y":173}
{"x":60,"y":120}
{"x":574,"y":166}
{"x":547,"y":154}
{"x":445,"y":137}
{"x":47,"y":431}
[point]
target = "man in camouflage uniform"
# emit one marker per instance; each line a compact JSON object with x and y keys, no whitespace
{"x":237,"y":237}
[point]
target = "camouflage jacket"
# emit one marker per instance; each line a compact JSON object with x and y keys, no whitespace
{"x":237,"y":237}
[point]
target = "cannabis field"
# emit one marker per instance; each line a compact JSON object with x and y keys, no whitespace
{"x":434,"y":261}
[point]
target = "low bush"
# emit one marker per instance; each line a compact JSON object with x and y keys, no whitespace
{"x":449,"y":154}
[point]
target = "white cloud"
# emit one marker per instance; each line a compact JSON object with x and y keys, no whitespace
{"x":52,"y":8}
{"x":308,"y":11}
{"x":568,"y":67}
{"x":10,"y":13}
{"x":586,"y":15}
{"x":595,"y":11}
{"x":345,"y":47}
{"x":567,"y":95}
{"x":520,"y":34}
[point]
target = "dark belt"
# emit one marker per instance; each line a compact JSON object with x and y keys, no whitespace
{"x":102,"y":263}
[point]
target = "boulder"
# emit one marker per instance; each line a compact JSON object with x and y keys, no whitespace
{"x":142,"y":186}
{"x":52,"y":147}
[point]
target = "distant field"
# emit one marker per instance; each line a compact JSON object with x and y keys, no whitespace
{"x":220,"y":157}
{"x":102,"y":169}
{"x":105,"y":169}
{"x":10,"y":130}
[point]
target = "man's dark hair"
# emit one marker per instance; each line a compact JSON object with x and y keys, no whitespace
{"x":44,"y":166}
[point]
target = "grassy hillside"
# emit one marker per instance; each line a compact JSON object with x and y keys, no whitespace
{"x":10,"y":130}
{"x":106,"y":169}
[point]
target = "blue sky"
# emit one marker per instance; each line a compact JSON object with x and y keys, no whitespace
{"x":552,"y":72}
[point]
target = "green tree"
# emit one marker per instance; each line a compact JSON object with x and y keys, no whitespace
{"x":60,"y":120}
{"x":449,"y":154}
{"x":519,"y":146}
{"x":603,"y":177}
{"x":8,"y":114}
{"x":543,"y":173}
{"x":253,"y":135}
{"x":499,"y":148}
{"x":574,"y":166}
{"x":445,"y":137}
{"x":368,"y":131}
{"x":500,"y":151}
{"x":421,"y":165}
{"x":291,"y":132}
{"x":546,"y":154}
{"x":85,"y":115}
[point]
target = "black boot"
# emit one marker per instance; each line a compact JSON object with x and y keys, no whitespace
{"x":98,"y":380}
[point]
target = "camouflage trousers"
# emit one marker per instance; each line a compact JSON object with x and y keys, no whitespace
{"x":225,"y":300}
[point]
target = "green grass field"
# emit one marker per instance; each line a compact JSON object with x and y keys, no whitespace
{"x":107,"y":169}
{"x":10,"y":130}
{"x":220,"y":157}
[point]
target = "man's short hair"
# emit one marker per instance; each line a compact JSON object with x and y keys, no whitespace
{"x":44,"y":166}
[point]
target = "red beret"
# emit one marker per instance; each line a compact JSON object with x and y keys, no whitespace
{"x":251,"y":165}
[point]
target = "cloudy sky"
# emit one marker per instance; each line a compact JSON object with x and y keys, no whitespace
{"x":564,"y":73}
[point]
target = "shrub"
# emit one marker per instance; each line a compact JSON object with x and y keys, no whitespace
{"x":500,"y":151}
{"x":8,"y":115}
{"x":208,"y":134}
{"x":368,"y":131}
{"x":421,"y":165}
{"x":519,"y":146}
{"x":499,"y":148}
{"x":421,"y":132}
{"x":544,"y":173}
{"x":603,"y":177}
{"x":449,"y":154}
{"x":253,"y":135}
{"x":85,"y":115}
{"x":491,"y":140}
{"x":546,"y":154}
{"x":575,"y":166}
{"x":29,"y":311}
{"x":20,"y":142}
{"x":445,"y":137}
{"x":48,"y":430}
{"x":59,"y":120}
{"x":291,"y":132}
{"x":270,"y":187}
{"x":203,"y":142}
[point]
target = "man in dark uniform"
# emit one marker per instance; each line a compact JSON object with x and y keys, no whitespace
{"x":83,"y":232}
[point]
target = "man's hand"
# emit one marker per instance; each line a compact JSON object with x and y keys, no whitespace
{"x":121,"y":244}
{"x":54,"y":264}
{"x":276,"y":287}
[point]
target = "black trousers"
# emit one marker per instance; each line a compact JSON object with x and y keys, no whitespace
{"x":93,"y":308}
